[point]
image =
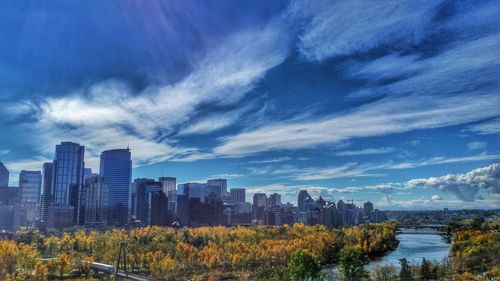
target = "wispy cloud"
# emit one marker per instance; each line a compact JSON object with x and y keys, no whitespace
{"x":487,"y":127}
{"x":475,"y":145}
{"x":341,"y":28}
{"x":110,"y":115}
{"x":443,"y":160}
{"x":367,"y":151}
{"x":270,"y":160}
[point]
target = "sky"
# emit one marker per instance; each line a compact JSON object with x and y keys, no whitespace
{"x":396,"y":102}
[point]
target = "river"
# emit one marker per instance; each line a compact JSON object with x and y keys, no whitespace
{"x":414,"y":247}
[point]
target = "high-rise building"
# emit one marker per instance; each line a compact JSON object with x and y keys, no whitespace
{"x":4,"y":176}
{"x":143,"y":190}
{"x":159,"y":209}
{"x":94,"y":201}
{"x":193,"y":190}
{"x":368,"y":208}
{"x":275,"y":200}
{"x":168,"y":184}
{"x":30,"y":185}
{"x":116,"y":168}
{"x":258,"y":207}
{"x":303,"y":201}
{"x":237,"y":195}
{"x":217,"y":187}
{"x":67,"y":181}
{"x":46,"y":192}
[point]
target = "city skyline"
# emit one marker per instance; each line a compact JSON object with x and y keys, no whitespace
{"x":396,"y":104}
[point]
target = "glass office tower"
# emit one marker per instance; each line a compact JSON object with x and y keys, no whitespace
{"x":116,"y":168}
{"x":46,"y":191}
{"x":68,"y":168}
{"x":4,"y":176}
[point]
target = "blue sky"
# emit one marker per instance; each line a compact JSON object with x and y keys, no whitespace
{"x":397,"y":102}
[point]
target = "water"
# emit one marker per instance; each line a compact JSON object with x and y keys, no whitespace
{"x":414,"y":247}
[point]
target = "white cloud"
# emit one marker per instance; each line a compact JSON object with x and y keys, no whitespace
{"x":368,"y":151}
{"x":108,"y":115}
{"x":464,"y":186}
{"x":270,"y":160}
{"x":475,"y":145}
{"x":487,"y":127}
{"x":343,"y":27}
{"x":443,"y":160}
{"x":423,"y":101}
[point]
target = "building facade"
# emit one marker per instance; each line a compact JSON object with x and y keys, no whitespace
{"x":116,"y":168}
{"x":47,"y":172}
{"x":237,"y":195}
{"x":4,"y":176}
{"x":67,"y":181}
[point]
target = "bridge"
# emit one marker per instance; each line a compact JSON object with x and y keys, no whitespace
{"x":430,"y":229}
{"x":108,"y":270}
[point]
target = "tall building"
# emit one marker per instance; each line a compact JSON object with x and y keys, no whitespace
{"x":368,"y":208}
{"x":237,"y":195}
{"x":303,"y":201}
{"x":94,"y":201}
{"x":275,"y":200}
{"x":116,"y":168}
{"x":67,"y":181}
{"x":30,"y":185}
{"x":4,"y":176}
{"x":46,"y":192}
{"x":217,"y":187}
{"x":258,"y":207}
{"x":159,"y":209}
{"x":168,"y":184}
{"x":143,"y":190}
{"x":193,"y":190}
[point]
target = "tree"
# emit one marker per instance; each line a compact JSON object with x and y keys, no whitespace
{"x":425,"y":270}
{"x":405,"y":272}
{"x":384,"y":273}
{"x":303,"y":265}
{"x":352,"y":262}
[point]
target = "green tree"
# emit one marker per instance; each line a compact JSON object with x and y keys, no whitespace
{"x":405,"y":272}
{"x":303,"y":265}
{"x":352,"y":262}
{"x":425,"y":270}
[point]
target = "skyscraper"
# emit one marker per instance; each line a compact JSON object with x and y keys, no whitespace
{"x":46,"y":191}
{"x":4,"y":176}
{"x":368,"y":208}
{"x":144,"y":189}
{"x":168,"y":184}
{"x":304,"y":200}
{"x":116,"y":168}
{"x":67,"y":181}
{"x":193,"y":190}
{"x":30,"y":185}
{"x":94,"y":201}
{"x":275,"y":200}
{"x":218,"y":187}
{"x":258,"y":207}
{"x":237,"y":195}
